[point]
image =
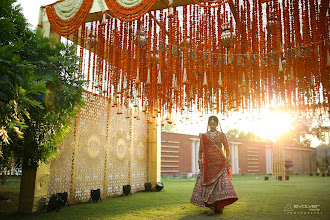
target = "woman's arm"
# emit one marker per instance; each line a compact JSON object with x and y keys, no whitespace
{"x":226,"y":145}
{"x":200,"y":153}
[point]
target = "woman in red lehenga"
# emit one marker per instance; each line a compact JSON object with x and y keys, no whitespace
{"x":213,"y":186}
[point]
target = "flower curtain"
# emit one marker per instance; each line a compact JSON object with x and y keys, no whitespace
{"x":199,"y":57}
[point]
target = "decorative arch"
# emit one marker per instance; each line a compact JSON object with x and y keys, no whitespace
{"x":65,"y":17}
{"x":129,"y":10}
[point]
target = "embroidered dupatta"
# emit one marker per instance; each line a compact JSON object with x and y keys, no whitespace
{"x":213,"y":157}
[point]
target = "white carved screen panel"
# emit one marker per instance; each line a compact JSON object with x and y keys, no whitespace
{"x":104,"y":150}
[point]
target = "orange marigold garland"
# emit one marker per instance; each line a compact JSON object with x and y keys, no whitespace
{"x":210,"y":3}
{"x":182,"y":61}
{"x":131,"y":12}
{"x":67,"y":27}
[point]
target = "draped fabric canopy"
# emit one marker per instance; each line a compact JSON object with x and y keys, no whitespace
{"x":209,"y":56}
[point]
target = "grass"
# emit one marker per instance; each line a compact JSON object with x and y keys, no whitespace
{"x":9,"y":194}
{"x":259,"y":199}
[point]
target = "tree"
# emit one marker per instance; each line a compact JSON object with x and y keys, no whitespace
{"x":40,"y":89}
{"x":169,"y":128}
{"x":297,"y":134}
{"x":240,"y":135}
{"x":233,"y":133}
{"x":15,"y":74}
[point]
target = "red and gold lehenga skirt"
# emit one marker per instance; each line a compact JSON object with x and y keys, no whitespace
{"x":213,"y":186}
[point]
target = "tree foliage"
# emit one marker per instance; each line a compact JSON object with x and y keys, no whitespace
{"x":169,"y":128}
{"x":40,"y":89}
{"x":240,"y":135}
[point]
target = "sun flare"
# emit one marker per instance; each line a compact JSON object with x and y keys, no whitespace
{"x":273,"y":124}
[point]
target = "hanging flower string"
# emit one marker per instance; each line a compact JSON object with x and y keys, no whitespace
{"x":197,"y":59}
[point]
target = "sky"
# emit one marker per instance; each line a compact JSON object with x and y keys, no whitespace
{"x":31,"y":10}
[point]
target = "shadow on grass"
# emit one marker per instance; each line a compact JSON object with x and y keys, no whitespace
{"x":118,"y":207}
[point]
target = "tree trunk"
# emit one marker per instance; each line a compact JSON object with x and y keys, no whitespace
{"x":34,"y":188}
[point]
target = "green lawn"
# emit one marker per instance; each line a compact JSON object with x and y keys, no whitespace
{"x":259,"y":199}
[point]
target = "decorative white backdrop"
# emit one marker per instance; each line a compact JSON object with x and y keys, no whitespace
{"x":104,"y":150}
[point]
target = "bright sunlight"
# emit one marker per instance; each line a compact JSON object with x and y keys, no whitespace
{"x":273,"y":124}
{"x":268,"y":124}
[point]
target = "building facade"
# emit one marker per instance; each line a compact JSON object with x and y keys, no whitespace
{"x":179,"y":155}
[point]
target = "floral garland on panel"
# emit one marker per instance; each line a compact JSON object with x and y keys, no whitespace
{"x":129,"y":4}
{"x":129,"y":10}
{"x":67,"y":9}
{"x":65,"y":17}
